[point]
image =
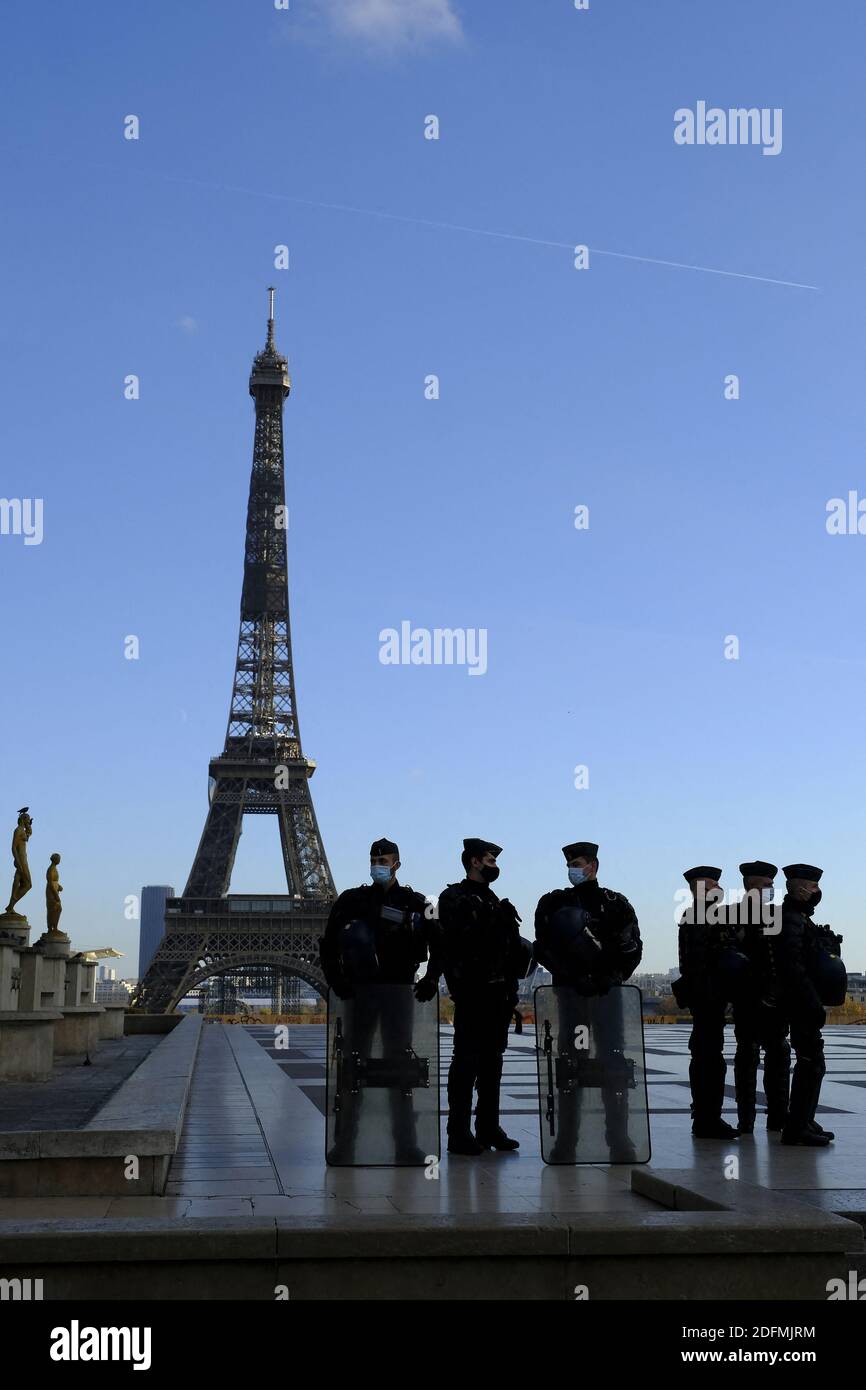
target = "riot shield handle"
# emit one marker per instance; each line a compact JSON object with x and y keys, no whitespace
{"x":550,"y":1111}
{"x":338,"y":1053}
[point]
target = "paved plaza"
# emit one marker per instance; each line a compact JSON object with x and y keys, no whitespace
{"x":253,"y":1142}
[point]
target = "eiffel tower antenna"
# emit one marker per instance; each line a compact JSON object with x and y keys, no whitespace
{"x":261,"y":769}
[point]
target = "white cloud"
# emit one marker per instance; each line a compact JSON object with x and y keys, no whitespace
{"x":394,"y":23}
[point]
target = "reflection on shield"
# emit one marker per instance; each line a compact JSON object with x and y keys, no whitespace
{"x":383,"y":1078}
{"x":591,"y":1076}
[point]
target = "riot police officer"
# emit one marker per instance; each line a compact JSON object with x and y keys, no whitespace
{"x":588,"y":938}
{"x":377,"y":934}
{"x":705,"y":989}
{"x":617,"y":946}
{"x":791,"y":958}
{"x":483,"y":957}
{"x":759,"y":1022}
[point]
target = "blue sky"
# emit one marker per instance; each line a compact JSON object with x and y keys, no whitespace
{"x":557,"y":388}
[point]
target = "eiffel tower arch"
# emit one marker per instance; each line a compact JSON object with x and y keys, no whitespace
{"x":261,"y":769}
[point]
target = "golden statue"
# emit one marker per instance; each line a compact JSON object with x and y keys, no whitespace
{"x":53,"y":889}
{"x":22,"y":882}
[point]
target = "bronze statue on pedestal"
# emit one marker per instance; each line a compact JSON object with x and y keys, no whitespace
{"x":53,"y":889}
{"x":22,"y":882}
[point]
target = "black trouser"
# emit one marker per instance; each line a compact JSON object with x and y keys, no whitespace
{"x":707,"y":1067}
{"x":758,"y":1025}
{"x":481,"y":1017}
{"x":390,"y":1012}
{"x":809,"y":1069}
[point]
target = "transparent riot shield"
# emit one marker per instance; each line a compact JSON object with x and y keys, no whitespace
{"x":382,"y":1078}
{"x":591,"y":1076}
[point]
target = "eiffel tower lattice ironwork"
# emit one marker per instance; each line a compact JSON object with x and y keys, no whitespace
{"x":261,"y":770}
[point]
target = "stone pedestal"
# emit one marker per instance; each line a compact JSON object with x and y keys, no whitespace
{"x":10,"y":976}
{"x":27,"y":1044}
{"x":112,"y":1021}
{"x":31,"y":988}
{"x":43,"y":974}
{"x":78,"y":1031}
{"x":14,"y":928}
{"x":78,"y":978}
{"x":88,"y":982}
{"x":47,"y":988}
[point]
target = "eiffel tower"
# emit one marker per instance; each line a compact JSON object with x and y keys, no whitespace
{"x":261,"y":770}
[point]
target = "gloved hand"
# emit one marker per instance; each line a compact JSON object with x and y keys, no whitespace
{"x":426,"y":988}
{"x":681,"y":993}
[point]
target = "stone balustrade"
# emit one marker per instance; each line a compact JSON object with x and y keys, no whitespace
{"x":48,"y":1005}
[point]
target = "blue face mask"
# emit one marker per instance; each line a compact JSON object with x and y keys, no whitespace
{"x":380,"y":873}
{"x":576,"y":876}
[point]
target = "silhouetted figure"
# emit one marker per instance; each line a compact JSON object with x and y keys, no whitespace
{"x":588,"y":938}
{"x":376,"y":936}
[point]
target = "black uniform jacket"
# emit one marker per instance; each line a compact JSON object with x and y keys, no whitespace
{"x":400,"y":946}
{"x":478,"y":939}
{"x":704,"y":932}
{"x":614,"y":924}
{"x":786,"y":960}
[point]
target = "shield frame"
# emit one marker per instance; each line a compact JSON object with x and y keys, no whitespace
{"x":355,"y":1073}
{"x":560,"y":1074}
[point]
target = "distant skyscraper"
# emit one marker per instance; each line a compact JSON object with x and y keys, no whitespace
{"x":152,"y":924}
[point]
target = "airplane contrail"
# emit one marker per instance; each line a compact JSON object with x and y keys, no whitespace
{"x":459,"y":227}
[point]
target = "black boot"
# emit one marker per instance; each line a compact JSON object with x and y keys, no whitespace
{"x":410,"y":1156}
{"x":342,"y":1152}
{"x":340,"y":1155}
{"x":819,"y":1129}
{"x":464,"y":1142}
{"x":404,"y":1125}
{"x":496,"y":1139}
{"x":806,"y":1137}
{"x":616,"y":1135}
{"x":564,"y":1148}
{"x":800,"y":1127}
{"x":714,"y":1129}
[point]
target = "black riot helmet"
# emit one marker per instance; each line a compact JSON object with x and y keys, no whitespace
{"x":826,"y":968}
{"x":356,"y":944}
{"x":572,"y":938}
{"x":830,"y":979}
{"x":732,"y":971}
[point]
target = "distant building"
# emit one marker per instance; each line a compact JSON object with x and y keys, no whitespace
{"x":152,"y":927}
{"x":654,"y":983}
{"x":856,"y":991}
{"x":112,"y":991}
